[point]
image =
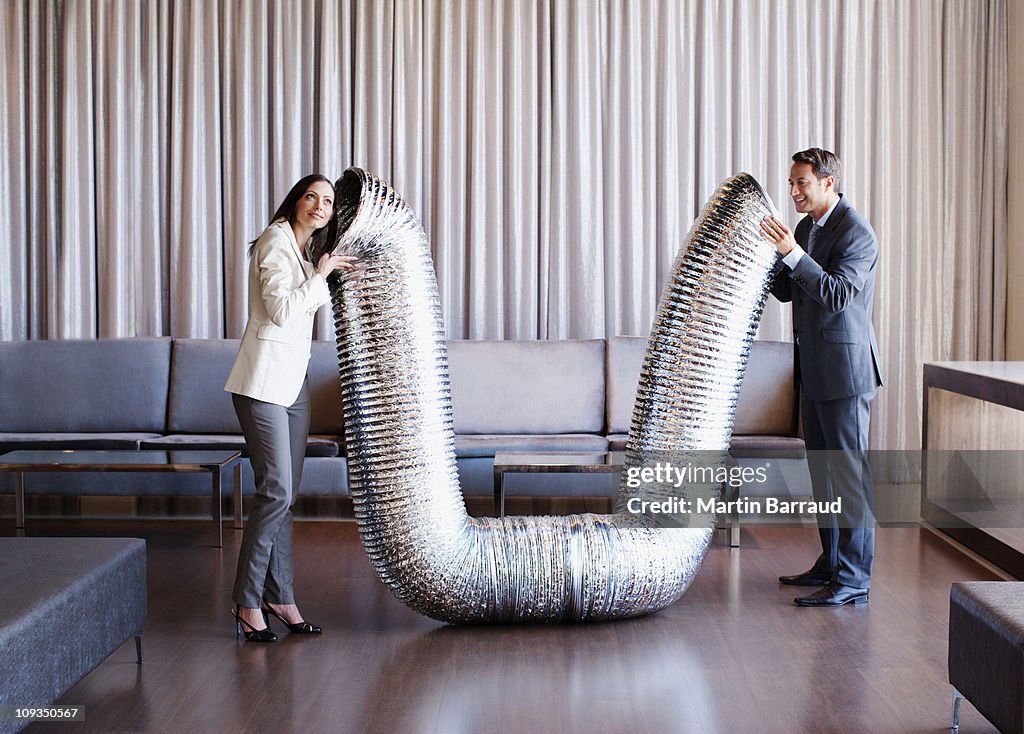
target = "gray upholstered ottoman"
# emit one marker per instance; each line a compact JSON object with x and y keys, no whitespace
{"x":65,"y":605}
{"x":986,"y":650}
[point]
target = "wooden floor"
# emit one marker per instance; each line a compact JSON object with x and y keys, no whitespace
{"x":734,"y":655}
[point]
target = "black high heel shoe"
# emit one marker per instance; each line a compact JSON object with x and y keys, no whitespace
{"x":299,"y":628}
{"x":251,"y":633}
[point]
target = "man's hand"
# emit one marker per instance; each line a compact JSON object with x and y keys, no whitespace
{"x":778,"y":234}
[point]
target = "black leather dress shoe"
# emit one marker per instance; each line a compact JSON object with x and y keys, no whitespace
{"x":833,"y":595}
{"x":807,"y":578}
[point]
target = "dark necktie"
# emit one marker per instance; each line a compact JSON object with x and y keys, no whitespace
{"x":812,"y":236}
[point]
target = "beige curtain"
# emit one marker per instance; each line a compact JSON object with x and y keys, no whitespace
{"x":557,"y":152}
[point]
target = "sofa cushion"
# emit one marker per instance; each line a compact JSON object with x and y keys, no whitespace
{"x":527,"y":387}
{"x":767,"y":403}
{"x":108,"y":441}
{"x":196,"y":442}
{"x":767,"y":447}
{"x":487,"y":444}
{"x":625,"y":358}
{"x":325,"y":477}
{"x":199,"y":404}
{"x":315,"y":445}
{"x":617,"y":441}
{"x":325,"y":390}
{"x":322,"y":476}
{"x":84,"y":386}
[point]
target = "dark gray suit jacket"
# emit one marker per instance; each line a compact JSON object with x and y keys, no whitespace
{"x":832,"y":290}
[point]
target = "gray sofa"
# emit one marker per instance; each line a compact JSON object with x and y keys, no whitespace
{"x":161,"y":393}
{"x":147,"y":393}
{"x":77,"y":600}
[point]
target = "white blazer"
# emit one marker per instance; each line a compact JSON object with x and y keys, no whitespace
{"x":285,"y":292}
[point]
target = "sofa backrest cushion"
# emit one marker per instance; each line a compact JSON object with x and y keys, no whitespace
{"x":527,"y":387}
{"x":199,"y":404}
{"x":767,"y":404}
{"x":625,"y":358}
{"x":325,"y":390}
{"x":768,"y":401}
{"x":84,"y":385}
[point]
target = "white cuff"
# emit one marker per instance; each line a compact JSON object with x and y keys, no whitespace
{"x":793,"y":257}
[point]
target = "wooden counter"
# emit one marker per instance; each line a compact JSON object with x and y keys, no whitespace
{"x":973,"y":471}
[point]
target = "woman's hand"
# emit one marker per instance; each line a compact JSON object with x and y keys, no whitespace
{"x":329,"y":263}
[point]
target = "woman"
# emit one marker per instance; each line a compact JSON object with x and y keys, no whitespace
{"x":271,"y":398}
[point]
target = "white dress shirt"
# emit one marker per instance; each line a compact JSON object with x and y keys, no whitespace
{"x":798,"y":252}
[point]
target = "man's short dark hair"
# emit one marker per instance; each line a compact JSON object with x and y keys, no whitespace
{"x":822,"y":162}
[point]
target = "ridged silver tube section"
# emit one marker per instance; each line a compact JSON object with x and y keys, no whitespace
{"x":401,"y":444}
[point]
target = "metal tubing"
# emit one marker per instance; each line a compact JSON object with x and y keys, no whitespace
{"x":401,"y":445}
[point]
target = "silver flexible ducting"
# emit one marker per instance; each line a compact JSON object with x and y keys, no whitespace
{"x":401,"y":445}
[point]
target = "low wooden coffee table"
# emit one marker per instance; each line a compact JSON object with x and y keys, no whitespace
{"x":215,"y":463}
{"x":550,"y":462}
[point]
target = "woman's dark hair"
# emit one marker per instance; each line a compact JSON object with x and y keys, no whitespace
{"x":287,"y":208}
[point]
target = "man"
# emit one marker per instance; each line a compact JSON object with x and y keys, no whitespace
{"x":829,"y":276}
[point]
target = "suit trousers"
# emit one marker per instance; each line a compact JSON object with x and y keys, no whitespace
{"x":275,"y":437}
{"x":836,"y":436}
